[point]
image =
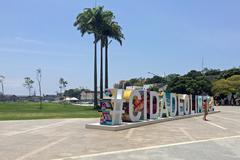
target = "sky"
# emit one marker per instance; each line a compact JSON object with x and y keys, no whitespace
{"x":161,"y":36}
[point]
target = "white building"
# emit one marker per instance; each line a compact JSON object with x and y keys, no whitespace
{"x":87,"y":95}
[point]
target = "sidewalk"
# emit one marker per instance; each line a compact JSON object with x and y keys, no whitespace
{"x":69,"y":139}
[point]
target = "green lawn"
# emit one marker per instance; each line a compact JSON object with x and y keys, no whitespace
{"x":29,"y":110}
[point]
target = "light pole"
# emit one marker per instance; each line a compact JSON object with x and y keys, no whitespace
{"x":153,"y":74}
{"x":161,"y":83}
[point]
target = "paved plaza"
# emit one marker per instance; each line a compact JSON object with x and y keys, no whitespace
{"x":67,"y":139}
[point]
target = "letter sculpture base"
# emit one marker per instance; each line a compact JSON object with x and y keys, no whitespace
{"x":126,"y":125}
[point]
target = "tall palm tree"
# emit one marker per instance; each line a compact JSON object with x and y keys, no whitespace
{"x":106,"y":17}
{"x":100,"y":23}
{"x":89,"y":21}
{"x":113,"y":31}
{"x":1,"y":81}
{"x":28,"y":83}
{"x":62,"y":85}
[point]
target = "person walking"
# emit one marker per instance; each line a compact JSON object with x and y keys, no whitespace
{"x":205,"y":109}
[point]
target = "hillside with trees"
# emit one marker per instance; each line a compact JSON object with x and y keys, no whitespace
{"x":214,"y":82}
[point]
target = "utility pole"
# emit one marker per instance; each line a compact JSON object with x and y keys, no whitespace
{"x":39,"y":80}
{"x":153,"y":74}
{"x":202,"y":64}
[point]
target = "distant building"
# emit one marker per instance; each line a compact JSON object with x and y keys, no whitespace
{"x":71,"y":100}
{"x":88,"y":95}
{"x":121,"y":85}
{"x":148,"y":86}
{"x":14,"y":98}
{"x":50,"y":98}
{"x":10,"y":98}
{"x":134,"y":87}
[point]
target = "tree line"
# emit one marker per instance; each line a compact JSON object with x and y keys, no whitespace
{"x":214,"y":82}
{"x":28,"y":84}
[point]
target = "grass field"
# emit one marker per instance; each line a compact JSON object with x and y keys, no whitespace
{"x":29,"y":110}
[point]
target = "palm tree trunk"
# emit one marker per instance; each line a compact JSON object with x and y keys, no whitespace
{"x":95,"y":72}
{"x":29,"y":90}
{"x":40,"y":93}
{"x":60,"y":91}
{"x":101,"y":72}
{"x":106,"y":64}
{"x":2,"y":89}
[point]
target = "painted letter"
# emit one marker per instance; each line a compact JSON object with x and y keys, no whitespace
{"x":152,"y":95}
{"x":133,"y":117}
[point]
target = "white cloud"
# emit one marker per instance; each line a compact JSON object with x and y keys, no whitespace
{"x":32,"y":41}
{"x":35,"y":52}
{"x":14,"y":86}
{"x":14,"y":82}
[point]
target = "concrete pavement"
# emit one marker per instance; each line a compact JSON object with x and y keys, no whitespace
{"x":67,"y":139}
{"x":225,"y":148}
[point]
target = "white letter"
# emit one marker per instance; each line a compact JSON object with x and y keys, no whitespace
{"x":199,"y":102}
{"x":180,"y":105}
{"x":173,"y":112}
{"x":186,"y":104}
{"x":152,"y":95}
{"x":145,"y":105}
{"x":190,"y":104}
{"x":117,"y":108}
{"x":166,"y":104}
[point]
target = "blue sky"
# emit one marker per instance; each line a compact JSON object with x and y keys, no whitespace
{"x":162,"y":36}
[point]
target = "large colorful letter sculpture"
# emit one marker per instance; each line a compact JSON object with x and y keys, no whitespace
{"x":138,"y":105}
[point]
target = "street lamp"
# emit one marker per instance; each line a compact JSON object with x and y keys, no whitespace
{"x":110,"y":42}
{"x":153,"y":74}
{"x":163,"y":86}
